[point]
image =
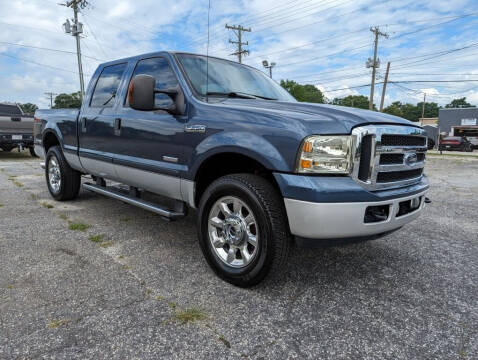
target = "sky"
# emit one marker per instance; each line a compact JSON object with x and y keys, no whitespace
{"x":321,"y":42}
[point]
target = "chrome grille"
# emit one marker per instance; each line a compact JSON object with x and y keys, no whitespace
{"x":388,"y":156}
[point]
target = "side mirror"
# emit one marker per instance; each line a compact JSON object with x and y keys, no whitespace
{"x":141,"y":95}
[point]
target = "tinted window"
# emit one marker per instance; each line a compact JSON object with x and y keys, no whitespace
{"x":107,"y":86}
{"x":161,"y":71}
{"x":224,"y":76}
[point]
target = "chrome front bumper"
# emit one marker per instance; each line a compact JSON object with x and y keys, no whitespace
{"x":345,"y":220}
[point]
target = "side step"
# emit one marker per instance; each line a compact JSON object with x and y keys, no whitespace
{"x":146,"y":205}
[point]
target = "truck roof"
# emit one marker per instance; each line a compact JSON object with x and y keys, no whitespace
{"x":159,"y":53}
{"x":8,"y":109}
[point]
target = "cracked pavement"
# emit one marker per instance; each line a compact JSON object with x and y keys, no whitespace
{"x":412,"y":294}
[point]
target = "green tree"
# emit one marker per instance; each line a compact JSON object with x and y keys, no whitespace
{"x":394,"y":108}
{"x":29,"y":108}
{"x":67,"y":101}
{"x":357,"y":101}
{"x":412,"y":112}
{"x":303,"y":93}
{"x":459,"y":103}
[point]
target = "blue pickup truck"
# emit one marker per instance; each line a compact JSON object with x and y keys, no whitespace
{"x":262,"y":170}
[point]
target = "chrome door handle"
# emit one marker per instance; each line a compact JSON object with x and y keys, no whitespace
{"x":195,"y":128}
{"x":83,"y":124}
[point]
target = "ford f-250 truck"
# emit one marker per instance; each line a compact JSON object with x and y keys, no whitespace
{"x":261,"y":168}
{"x":16,"y":128}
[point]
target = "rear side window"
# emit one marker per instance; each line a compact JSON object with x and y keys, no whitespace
{"x":107,"y":86}
{"x":159,"y":69}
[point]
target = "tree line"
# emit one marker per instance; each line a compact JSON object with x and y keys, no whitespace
{"x":303,"y":93}
{"x":310,"y":93}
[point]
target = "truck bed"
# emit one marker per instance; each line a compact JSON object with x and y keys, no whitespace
{"x":16,"y":124}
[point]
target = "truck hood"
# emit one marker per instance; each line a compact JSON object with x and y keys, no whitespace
{"x":315,"y":118}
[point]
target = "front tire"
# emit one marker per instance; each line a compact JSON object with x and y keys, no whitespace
{"x":63,"y":181}
{"x":242,"y":229}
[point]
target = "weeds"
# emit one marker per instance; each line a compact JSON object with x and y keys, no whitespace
{"x":189,"y":315}
{"x":56,"y":323}
{"x":107,"y":244}
{"x":47,"y":205}
{"x":79,"y":226}
{"x":96,"y":238}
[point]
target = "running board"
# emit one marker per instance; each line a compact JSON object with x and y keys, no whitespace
{"x":107,"y":191}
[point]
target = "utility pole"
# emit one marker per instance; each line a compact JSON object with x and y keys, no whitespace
{"x":384,"y":87}
{"x":75,"y":30}
{"x":423,"y":105}
{"x":50,"y":96}
{"x":374,"y":64}
{"x":239,"y":43}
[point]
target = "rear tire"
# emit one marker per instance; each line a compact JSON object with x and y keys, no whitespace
{"x":63,"y":182}
{"x":243,"y":215}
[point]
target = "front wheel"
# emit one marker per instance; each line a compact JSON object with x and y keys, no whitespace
{"x":243,"y":229}
{"x":63,"y":181}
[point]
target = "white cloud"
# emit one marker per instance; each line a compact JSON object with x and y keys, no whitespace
{"x":115,"y":29}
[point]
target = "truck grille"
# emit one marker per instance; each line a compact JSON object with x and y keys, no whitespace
{"x":388,"y":156}
{"x":402,"y":140}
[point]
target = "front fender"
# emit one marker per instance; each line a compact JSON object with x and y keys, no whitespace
{"x":240,"y":142}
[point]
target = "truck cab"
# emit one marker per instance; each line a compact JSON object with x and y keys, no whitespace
{"x":262,"y":170}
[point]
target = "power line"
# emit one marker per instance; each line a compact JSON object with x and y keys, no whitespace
{"x":47,"y":49}
{"x":356,"y":31}
{"x":404,"y":82}
{"x":325,"y":56}
{"x":308,"y":44}
{"x":219,"y":28}
{"x":94,"y":36}
{"x":39,"y":64}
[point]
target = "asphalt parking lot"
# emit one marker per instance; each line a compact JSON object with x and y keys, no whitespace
{"x":96,"y":278}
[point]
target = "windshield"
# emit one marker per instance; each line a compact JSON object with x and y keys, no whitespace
{"x":230,"y":78}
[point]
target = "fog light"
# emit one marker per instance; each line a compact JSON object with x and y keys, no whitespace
{"x":376,"y":213}
{"x":415,"y":203}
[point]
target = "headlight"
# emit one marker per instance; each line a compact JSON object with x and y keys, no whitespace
{"x":326,"y":155}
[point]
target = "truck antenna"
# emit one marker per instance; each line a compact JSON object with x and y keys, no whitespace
{"x":207,"y":51}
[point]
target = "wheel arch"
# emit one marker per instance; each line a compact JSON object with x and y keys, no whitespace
{"x":224,"y":163}
{"x":50,"y":138}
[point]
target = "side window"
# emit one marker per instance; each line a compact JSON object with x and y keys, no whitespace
{"x":107,"y":86}
{"x":161,"y":71}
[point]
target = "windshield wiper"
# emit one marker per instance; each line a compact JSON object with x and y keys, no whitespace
{"x":113,"y":95}
{"x":241,"y":95}
{"x":265,"y":98}
{"x":233,"y":94}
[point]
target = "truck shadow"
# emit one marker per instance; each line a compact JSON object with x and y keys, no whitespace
{"x":14,"y":155}
{"x":160,"y":245}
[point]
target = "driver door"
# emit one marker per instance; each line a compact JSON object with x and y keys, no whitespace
{"x":149,"y":153}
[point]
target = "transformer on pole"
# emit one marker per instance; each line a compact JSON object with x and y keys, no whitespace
{"x":75,"y":29}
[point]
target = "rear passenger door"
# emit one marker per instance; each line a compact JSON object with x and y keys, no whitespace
{"x":97,"y":121}
{"x":149,"y":153}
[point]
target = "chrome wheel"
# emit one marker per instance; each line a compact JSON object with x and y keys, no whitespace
{"x":54,"y":174}
{"x":233,"y":231}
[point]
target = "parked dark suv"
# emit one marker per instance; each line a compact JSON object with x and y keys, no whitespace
{"x":455,"y":143}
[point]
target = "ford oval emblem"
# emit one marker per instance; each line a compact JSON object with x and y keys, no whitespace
{"x":411,"y":159}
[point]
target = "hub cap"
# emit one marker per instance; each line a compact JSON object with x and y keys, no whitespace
{"x":54,"y":174}
{"x":233,"y":231}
